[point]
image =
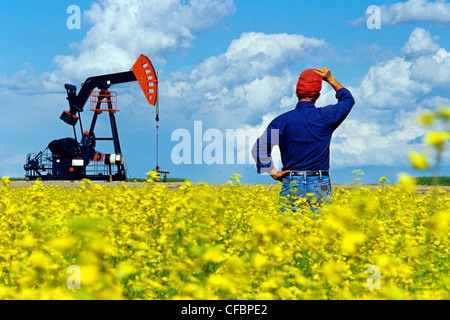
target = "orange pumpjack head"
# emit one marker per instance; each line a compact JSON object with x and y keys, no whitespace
{"x":146,"y":76}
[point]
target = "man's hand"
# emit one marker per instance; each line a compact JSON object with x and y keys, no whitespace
{"x":326,"y":75}
{"x":279,"y":175}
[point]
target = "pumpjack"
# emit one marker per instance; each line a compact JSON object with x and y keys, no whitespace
{"x":70,"y":159}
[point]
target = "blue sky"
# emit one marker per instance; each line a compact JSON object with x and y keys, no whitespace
{"x":231,"y":65}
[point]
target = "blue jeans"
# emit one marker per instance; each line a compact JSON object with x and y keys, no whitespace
{"x":315,"y":190}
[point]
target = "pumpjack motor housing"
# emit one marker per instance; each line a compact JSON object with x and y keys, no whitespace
{"x":70,"y":159}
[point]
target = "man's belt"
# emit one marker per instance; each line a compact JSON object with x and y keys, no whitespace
{"x":310,"y":173}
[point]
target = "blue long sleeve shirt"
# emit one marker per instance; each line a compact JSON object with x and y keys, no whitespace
{"x":303,"y":135}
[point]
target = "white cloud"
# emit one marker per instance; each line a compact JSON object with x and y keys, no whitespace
{"x":121,"y":31}
{"x":361,"y":143}
{"x":124,"y":29}
{"x":429,"y":63}
{"x":434,"y":70}
{"x":382,"y":129}
{"x":420,"y":43}
{"x":431,"y":103}
{"x":388,"y":85}
{"x":250,"y":79}
{"x":413,"y":11}
{"x":27,"y":81}
{"x":257,"y":54}
{"x":264,"y":52}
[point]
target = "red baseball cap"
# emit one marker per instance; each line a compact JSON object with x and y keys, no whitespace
{"x":309,"y":84}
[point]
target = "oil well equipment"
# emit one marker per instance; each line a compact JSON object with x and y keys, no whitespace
{"x":77,"y":158}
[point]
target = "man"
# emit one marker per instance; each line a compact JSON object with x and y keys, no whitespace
{"x":304,"y":136}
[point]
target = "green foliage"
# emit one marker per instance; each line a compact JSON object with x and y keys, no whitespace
{"x":432,"y":181}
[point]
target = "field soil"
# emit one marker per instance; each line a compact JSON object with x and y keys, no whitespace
{"x":175,"y":185}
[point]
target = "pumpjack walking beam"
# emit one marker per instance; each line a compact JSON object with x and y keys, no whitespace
{"x":142,"y":71}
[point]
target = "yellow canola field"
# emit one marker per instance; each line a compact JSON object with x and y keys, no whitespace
{"x":200,"y":242}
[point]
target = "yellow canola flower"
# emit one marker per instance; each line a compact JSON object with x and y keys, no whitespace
{"x":443,"y":112}
{"x":437,"y":139}
{"x":389,"y":265}
{"x":125,"y":269}
{"x":28,"y":241}
{"x":335,"y":271}
{"x":351,"y":241}
{"x":260,"y":261}
{"x":407,"y":183}
{"x":440,"y":223}
{"x":222,"y":283}
{"x":152,"y":176}
{"x":90,"y":275}
{"x":200,"y":242}
{"x":6,"y":181}
{"x":236,"y":177}
{"x":39,"y":260}
{"x":62,"y":244}
{"x":426,"y":119}
{"x":419,"y":161}
{"x":213,"y":255}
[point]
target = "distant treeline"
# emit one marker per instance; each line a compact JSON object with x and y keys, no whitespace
{"x":430,"y":181}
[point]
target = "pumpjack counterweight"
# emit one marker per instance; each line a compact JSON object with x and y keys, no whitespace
{"x":70,"y":159}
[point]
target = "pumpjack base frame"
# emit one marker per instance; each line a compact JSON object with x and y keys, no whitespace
{"x":42,"y":167}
